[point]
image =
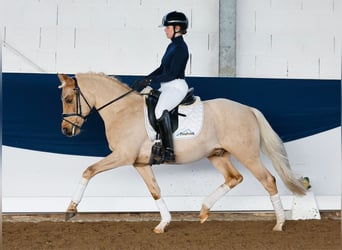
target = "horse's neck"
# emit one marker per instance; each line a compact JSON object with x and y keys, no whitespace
{"x":105,"y":90}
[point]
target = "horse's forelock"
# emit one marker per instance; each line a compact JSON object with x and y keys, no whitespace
{"x":62,"y":85}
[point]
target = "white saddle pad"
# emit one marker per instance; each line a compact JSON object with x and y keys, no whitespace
{"x":189,"y":126}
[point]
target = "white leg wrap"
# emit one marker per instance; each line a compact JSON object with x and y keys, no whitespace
{"x":216,"y":195}
{"x":80,"y":190}
{"x":278,"y":208}
{"x":164,"y":212}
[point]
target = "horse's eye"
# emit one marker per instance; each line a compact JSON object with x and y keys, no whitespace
{"x":68,"y":100}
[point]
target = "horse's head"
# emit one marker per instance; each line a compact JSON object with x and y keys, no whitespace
{"x":75,"y":107}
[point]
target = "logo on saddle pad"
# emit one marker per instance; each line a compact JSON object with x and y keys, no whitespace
{"x":186,"y":119}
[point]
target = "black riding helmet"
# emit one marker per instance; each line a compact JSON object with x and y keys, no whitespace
{"x":176,"y":18}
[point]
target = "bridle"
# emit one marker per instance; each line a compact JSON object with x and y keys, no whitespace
{"x":78,"y":109}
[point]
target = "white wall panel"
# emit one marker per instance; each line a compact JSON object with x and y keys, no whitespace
{"x":48,"y":38}
{"x":202,"y":61}
{"x":245,"y":65}
{"x":28,"y":13}
{"x":15,"y":61}
{"x":329,"y":65}
{"x":23,"y":38}
{"x":276,"y":64}
{"x":74,"y":14}
{"x":202,"y":16}
{"x":96,"y":39}
{"x":167,"y":6}
{"x":72,"y":61}
{"x":301,"y":67}
{"x":126,"y":30}
{"x":65,"y":38}
{"x":319,"y":44}
{"x":123,"y":3}
{"x":107,"y":15}
{"x":302,"y":31}
{"x":285,"y":45}
{"x":204,"y":51}
{"x":141,"y":18}
{"x":245,"y":20}
{"x":314,"y":5}
{"x":261,"y":43}
{"x":288,"y":4}
{"x":47,"y":181}
{"x":46,"y":59}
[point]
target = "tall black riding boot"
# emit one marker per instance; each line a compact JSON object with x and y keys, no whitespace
{"x":164,"y":124}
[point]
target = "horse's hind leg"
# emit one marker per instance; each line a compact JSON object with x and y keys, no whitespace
{"x":269,"y":182}
{"x":147,"y":174}
{"x":231,"y":176}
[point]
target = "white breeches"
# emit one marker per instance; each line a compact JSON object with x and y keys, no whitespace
{"x":172,"y":93}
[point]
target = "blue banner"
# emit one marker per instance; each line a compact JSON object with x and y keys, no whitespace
{"x":295,"y":109}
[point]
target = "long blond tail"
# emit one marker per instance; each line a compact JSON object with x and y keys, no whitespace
{"x":274,"y":148}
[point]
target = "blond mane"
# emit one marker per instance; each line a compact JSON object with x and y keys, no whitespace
{"x":103,"y":75}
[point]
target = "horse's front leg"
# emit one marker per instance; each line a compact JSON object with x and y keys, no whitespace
{"x":147,"y":174}
{"x":110,"y":162}
{"x":76,"y":198}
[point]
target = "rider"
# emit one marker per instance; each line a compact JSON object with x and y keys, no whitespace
{"x":171,"y":76}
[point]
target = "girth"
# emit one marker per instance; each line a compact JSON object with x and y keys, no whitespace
{"x":151,"y":102}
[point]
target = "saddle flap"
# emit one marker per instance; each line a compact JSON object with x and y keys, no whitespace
{"x":152,"y":100}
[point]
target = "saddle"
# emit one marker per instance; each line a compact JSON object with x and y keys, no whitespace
{"x":151,"y":102}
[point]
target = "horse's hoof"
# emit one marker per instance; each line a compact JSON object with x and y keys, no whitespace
{"x":204,"y":214}
{"x":278,"y":227}
{"x":161,"y":228}
{"x":203,"y":218}
{"x":158,"y":231}
{"x":69,"y":215}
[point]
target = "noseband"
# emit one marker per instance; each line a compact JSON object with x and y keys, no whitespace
{"x":78,"y":109}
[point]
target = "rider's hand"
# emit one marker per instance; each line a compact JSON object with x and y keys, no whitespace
{"x":142,"y":83}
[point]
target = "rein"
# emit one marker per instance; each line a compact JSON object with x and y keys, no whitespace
{"x":109,"y":103}
{"x":78,"y":113}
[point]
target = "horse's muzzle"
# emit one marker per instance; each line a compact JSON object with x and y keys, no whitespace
{"x":67,"y":132}
{"x":70,"y":130}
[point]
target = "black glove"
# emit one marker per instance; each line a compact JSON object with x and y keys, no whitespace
{"x":142,"y":83}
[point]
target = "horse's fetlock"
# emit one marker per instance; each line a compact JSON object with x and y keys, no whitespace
{"x":155,"y":196}
{"x":72,"y":206}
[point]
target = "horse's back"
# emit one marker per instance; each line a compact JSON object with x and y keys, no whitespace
{"x":231,"y":119}
{"x":227,"y":108}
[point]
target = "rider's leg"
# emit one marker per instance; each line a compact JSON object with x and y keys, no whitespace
{"x":164,"y":124}
{"x":172,"y":93}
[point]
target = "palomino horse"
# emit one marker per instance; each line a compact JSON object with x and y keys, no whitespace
{"x":229,"y":128}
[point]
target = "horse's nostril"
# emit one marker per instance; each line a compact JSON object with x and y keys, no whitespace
{"x":65,"y":131}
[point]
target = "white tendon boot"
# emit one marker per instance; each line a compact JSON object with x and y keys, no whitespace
{"x":165,"y":216}
{"x":279,"y":212}
{"x":211,"y":199}
{"x":76,"y":198}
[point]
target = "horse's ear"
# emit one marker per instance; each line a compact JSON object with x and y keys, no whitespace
{"x":64,"y":79}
